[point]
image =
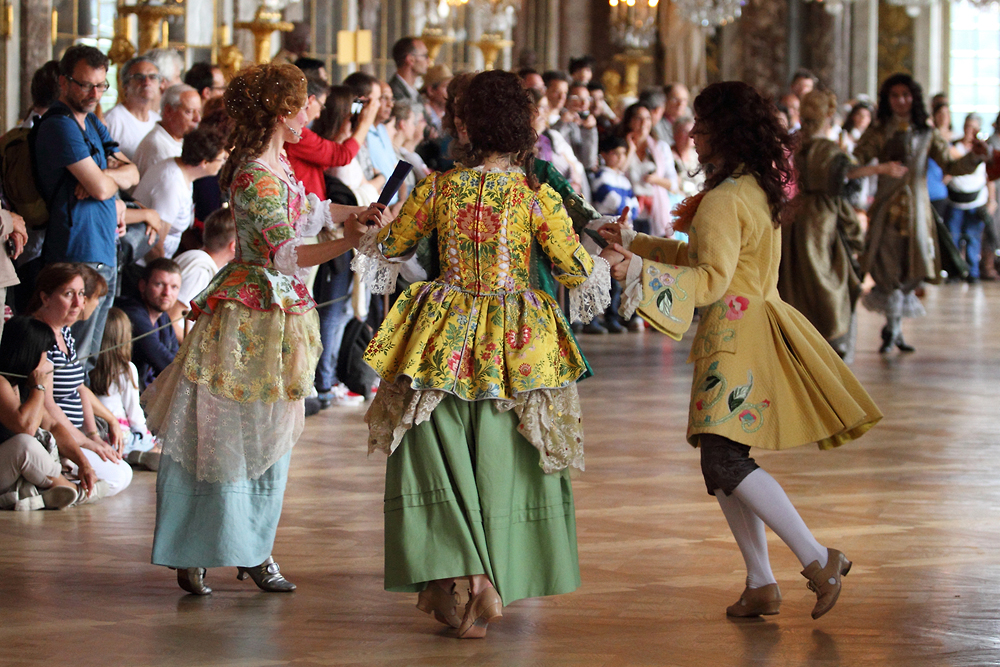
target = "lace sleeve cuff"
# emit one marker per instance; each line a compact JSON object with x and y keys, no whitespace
{"x":593,"y":296}
{"x":318,"y":218}
{"x":371,"y":265}
{"x":632,"y":290}
{"x":628,"y":235}
{"x":286,"y":257}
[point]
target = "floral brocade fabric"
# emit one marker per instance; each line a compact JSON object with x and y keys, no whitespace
{"x":479,"y":331}
{"x":268,"y":211}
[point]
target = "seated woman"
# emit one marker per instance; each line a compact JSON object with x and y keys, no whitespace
{"x":30,"y":472}
{"x":57,"y":301}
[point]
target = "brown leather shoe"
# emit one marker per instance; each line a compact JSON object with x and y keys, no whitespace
{"x":825,"y":582}
{"x":762,"y":601}
{"x":441,"y":604}
{"x":480,"y":611}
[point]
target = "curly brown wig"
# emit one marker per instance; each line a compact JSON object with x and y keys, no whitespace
{"x":456,"y":90}
{"x":257,"y":99}
{"x":498,"y":114}
{"x":743,"y":131}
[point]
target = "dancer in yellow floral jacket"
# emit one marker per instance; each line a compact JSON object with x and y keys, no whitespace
{"x":478,"y":405}
{"x":763,"y":376}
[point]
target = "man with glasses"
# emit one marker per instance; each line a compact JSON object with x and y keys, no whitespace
{"x":412,"y":60}
{"x":71,"y":149}
{"x":207,"y":79}
{"x":181,"y":116}
{"x":138,"y":107}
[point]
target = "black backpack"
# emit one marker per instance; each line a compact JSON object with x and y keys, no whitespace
{"x":351,"y":367}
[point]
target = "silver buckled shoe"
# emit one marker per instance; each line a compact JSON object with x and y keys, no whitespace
{"x":267,"y":576}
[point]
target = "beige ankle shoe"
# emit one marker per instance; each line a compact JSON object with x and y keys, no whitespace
{"x":762,"y":601}
{"x":825,"y":582}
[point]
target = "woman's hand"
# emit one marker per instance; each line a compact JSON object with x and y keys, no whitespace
{"x":87,"y":477}
{"x":620,"y":269}
{"x":42,"y":374}
{"x":102,"y":449}
{"x":19,"y":234}
{"x":358,"y":224}
{"x":115,"y":437}
{"x":612,"y":232}
{"x":894,"y":169}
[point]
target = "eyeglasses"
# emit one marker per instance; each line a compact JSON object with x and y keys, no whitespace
{"x":89,"y":88}
{"x":145,"y":77}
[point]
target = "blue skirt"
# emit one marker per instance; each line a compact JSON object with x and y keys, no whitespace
{"x":203,"y":524}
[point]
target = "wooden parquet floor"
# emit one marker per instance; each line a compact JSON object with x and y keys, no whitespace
{"x":915,"y":504}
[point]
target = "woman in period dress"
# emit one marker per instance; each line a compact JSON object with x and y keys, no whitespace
{"x":763,"y":376}
{"x":901,"y":247}
{"x":819,"y":274}
{"x":478,"y":408}
{"x":230,"y":407}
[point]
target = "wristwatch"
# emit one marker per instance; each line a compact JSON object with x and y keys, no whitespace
{"x":40,"y":387}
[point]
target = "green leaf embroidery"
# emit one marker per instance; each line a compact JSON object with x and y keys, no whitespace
{"x":665,"y":302}
{"x":739,"y":395}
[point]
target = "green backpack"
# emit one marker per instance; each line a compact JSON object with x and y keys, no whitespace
{"x":17,"y":178}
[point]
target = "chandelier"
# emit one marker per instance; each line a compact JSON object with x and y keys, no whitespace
{"x":633,"y":23}
{"x":710,"y":13}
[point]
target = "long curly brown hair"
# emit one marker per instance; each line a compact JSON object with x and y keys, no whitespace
{"x":257,"y":99}
{"x":498,"y":114}
{"x":745,"y":136}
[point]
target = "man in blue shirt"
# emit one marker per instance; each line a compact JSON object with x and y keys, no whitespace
{"x":80,"y":187}
{"x":158,"y":289}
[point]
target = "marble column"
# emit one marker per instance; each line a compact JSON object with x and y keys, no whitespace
{"x":36,"y":47}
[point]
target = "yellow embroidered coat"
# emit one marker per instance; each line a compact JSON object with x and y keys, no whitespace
{"x":763,"y":376}
{"x":479,"y":330}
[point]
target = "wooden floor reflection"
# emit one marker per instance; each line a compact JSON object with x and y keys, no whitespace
{"x":915,"y":504}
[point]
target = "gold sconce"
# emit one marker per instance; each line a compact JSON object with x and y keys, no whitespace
{"x":7,"y":29}
{"x":230,"y":59}
{"x":491,"y":45}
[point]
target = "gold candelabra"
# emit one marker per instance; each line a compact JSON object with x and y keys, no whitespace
{"x":491,"y":45}
{"x":151,"y":17}
{"x":263,"y":26}
{"x":434,"y":39}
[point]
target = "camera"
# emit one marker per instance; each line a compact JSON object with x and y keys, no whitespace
{"x":358,"y":105}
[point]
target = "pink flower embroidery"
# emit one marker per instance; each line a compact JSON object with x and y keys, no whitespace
{"x":737,"y":306}
{"x":518,"y":339}
{"x":525,"y":369}
{"x":479,"y":230}
{"x":747,"y":418}
{"x":766,"y":403}
{"x":698,"y":405}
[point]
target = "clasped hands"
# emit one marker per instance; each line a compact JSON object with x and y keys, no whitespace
{"x":358,"y":224}
{"x":615,"y":254}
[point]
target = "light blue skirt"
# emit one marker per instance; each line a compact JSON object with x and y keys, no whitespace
{"x":203,"y":524}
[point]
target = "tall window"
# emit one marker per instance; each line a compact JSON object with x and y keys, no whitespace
{"x":974,"y":70}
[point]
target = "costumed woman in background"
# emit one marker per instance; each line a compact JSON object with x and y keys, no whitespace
{"x":230,"y":407}
{"x":902,"y":247}
{"x":763,"y":376}
{"x":819,"y":274}
{"x":478,"y":407}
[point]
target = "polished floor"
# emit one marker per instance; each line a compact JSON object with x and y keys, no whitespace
{"x":915,"y":504}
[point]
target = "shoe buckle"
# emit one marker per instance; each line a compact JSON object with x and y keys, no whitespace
{"x":271,"y":568}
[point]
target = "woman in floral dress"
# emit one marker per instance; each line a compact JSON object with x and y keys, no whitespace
{"x":478,"y":408}
{"x":231,"y":406}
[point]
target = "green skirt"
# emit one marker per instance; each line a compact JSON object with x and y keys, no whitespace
{"x":464,"y":495}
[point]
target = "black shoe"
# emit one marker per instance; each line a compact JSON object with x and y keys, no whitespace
{"x":312,"y":406}
{"x":972,"y":280}
{"x":594,"y":328}
{"x":903,"y":347}
{"x":577,"y":327}
{"x":614,"y":326}
{"x":886,"y":341}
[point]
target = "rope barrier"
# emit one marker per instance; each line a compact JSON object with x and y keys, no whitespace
{"x":150,"y":333}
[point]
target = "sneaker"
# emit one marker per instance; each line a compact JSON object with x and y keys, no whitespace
{"x":313,"y":406}
{"x":145,"y":460}
{"x":99,"y":491}
{"x":341,"y":395}
{"x":58,"y":497}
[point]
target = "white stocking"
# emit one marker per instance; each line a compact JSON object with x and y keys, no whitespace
{"x":748,"y":530}
{"x":765,"y":497}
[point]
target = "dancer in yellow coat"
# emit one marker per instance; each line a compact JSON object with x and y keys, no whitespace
{"x":764,"y":377}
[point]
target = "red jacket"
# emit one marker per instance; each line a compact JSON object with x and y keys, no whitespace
{"x":313,"y":154}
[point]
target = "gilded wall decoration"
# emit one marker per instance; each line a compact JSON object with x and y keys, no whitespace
{"x":895,"y":41}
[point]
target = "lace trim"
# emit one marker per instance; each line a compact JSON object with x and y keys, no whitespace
{"x":628,"y":235}
{"x":894,"y":304}
{"x":377,"y":272}
{"x":550,"y":419}
{"x":632,"y":291}
{"x":318,"y":217}
{"x":286,"y":259}
{"x":593,"y":296}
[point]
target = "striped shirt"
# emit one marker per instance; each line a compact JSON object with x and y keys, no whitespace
{"x":67,"y":378}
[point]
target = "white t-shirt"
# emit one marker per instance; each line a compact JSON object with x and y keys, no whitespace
{"x":123,"y":402}
{"x":974,"y":182}
{"x":154,"y":148}
{"x":197,"y":270}
{"x":128,"y":130}
{"x":164,"y":189}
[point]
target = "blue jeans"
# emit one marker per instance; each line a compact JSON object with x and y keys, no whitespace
{"x":968,"y":224}
{"x":332,"y":320}
{"x":88,"y":333}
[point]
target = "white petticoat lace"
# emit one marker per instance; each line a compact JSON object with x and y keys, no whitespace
{"x":632,"y":289}
{"x":893,"y":304}
{"x":375,"y":270}
{"x":550,"y":419}
{"x":593,"y":296}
